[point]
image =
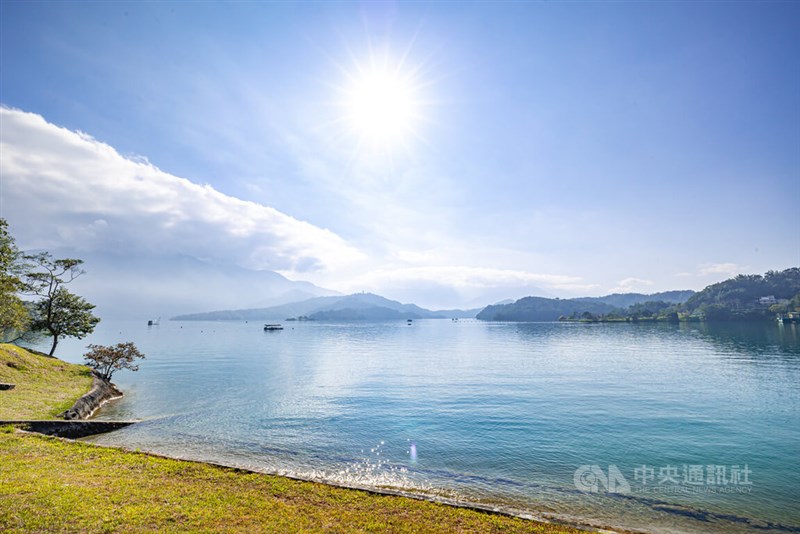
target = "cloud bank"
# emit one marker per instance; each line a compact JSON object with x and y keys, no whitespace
{"x":65,"y":189}
{"x":633,"y":285}
{"x":462,"y":286}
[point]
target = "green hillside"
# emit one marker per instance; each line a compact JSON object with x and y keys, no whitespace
{"x":743,"y":298}
{"x":44,"y":386}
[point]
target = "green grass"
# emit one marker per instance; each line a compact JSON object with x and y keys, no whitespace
{"x":45,"y":386}
{"x":53,"y":485}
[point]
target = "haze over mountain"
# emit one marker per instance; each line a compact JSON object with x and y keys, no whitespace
{"x":359,"y":306}
{"x":153,"y":286}
{"x":367,"y":306}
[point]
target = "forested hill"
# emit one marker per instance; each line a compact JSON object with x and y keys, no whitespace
{"x":547,"y":309}
{"x":745,"y":297}
{"x":749,"y":296}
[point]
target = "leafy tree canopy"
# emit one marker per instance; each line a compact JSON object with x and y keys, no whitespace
{"x":106,"y":360}
{"x":14,"y":316}
{"x":58,"y":312}
{"x":741,"y":292}
{"x":65,"y":314}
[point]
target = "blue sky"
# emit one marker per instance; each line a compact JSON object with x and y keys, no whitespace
{"x":560,"y":148}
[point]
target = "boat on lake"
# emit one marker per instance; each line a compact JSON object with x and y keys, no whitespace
{"x":270,"y":327}
{"x":790,"y":317}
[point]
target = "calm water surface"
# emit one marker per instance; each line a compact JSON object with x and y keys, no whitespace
{"x":701,"y":422}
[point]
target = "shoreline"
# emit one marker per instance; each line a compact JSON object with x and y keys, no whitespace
{"x":500,"y":510}
{"x":509,"y":511}
{"x":582,"y":523}
{"x":480,"y":505}
{"x":62,"y":483}
{"x":87,"y":405}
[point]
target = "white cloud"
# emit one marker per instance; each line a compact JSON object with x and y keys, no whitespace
{"x":632,"y":285}
{"x":459,"y":276}
{"x":459,"y":286}
{"x":716,"y":270}
{"x":578,"y":289}
{"x":65,"y":189}
{"x":728,"y":269}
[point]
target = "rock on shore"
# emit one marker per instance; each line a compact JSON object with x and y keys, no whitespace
{"x":84,"y":407}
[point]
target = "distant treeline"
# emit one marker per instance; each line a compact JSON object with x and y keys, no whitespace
{"x":745,"y":297}
{"x":548,"y":309}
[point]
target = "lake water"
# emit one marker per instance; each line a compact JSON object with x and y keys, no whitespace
{"x":669,"y":428}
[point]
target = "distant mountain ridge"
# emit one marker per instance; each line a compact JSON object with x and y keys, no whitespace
{"x":146,"y":287}
{"x":545,"y":309}
{"x":356,"y":307}
{"x":371,"y":307}
{"x":745,"y":297}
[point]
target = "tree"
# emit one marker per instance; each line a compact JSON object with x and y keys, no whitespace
{"x":716,"y":312}
{"x":779,"y":308}
{"x":63,"y":315}
{"x":105,"y":360}
{"x":59,"y":312}
{"x":794,"y":304}
{"x":14,"y":316}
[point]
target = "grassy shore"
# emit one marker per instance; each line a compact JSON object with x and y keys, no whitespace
{"x":44,"y":386}
{"x":52,"y":485}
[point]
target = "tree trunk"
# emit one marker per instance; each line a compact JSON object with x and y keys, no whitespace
{"x":53,"y":348}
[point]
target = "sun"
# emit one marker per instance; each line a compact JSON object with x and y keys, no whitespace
{"x":382,"y":104}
